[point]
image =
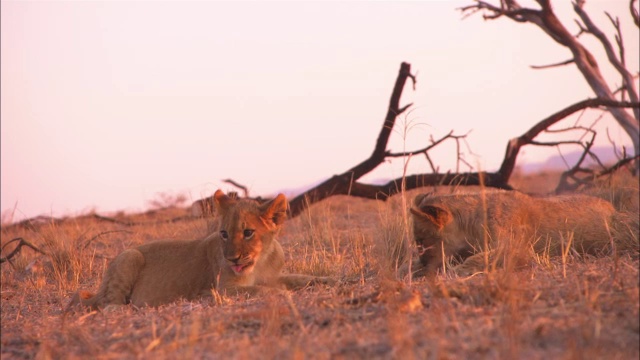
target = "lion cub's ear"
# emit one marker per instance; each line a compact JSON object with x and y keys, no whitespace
{"x":420,"y":197}
{"x":434,"y":214}
{"x":222,"y":201}
{"x":275,"y":211}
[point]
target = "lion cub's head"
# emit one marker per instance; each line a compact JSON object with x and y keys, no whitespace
{"x":433,"y":227}
{"x":247,"y":228}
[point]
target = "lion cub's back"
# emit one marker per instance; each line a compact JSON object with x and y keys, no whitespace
{"x":584,"y":217}
{"x":174,"y":270}
{"x":574,"y":208}
{"x":497,"y":205}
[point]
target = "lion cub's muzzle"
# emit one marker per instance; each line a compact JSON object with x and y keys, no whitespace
{"x":241,"y":265}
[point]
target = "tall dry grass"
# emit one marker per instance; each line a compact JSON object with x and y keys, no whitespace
{"x":526,"y":306}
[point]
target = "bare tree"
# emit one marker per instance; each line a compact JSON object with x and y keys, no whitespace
{"x":547,"y":20}
{"x":347,"y":182}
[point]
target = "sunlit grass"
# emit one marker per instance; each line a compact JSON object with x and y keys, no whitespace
{"x":548,"y":303}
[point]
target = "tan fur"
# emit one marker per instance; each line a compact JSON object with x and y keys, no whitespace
{"x":247,"y":259}
{"x":463,"y":225}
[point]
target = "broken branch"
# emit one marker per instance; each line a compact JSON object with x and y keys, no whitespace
{"x":21,"y":242}
{"x":342,"y":184}
{"x":514,"y":145}
{"x":244,"y":189}
{"x":538,"y":67}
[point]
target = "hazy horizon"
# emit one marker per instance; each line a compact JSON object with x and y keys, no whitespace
{"x":107,"y":104}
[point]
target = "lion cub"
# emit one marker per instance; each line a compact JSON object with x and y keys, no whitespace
{"x":243,"y":257}
{"x":461,"y":225}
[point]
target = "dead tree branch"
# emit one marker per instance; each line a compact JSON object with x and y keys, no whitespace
{"x":88,"y":242}
{"x":634,"y":13}
{"x":383,"y":192}
{"x":21,"y":242}
{"x":347,"y":182}
{"x":547,"y":21}
{"x":244,"y":189}
{"x":514,"y":145}
{"x":618,"y":63}
{"x":342,"y":184}
{"x":571,"y":180}
{"x":538,"y":67}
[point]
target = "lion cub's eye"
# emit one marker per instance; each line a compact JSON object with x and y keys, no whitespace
{"x":224,"y":235}
{"x":248,"y":233}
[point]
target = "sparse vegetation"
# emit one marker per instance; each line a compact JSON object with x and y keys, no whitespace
{"x":569,"y":306}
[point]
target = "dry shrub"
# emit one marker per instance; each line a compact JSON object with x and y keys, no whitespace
{"x":394,"y":247}
{"x":327,"y":242}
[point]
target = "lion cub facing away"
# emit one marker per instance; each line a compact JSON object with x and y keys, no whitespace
{"x":461,"y":225}
{"x":243,"y":257}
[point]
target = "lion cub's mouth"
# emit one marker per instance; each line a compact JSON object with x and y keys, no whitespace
{"x":242,"y":268}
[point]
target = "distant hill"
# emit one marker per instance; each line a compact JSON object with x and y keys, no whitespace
{"x":556,"y":162}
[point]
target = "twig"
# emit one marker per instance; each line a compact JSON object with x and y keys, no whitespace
{"x":103,"y":233}
{"x":244,"y":189}
{"x":592,"y":175}
{"x":586,"y":63}
{"x":427,"y":148}
{"x":21,"y":242}
{"x":566,"y":62}
{"x":618,"y":64}
{"x":514,"y":145}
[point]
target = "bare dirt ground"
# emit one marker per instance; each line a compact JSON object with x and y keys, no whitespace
{"x":553,"y":308}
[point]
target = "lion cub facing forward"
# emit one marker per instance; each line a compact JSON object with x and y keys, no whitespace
{"x":243,"y":257}
{"x":462,"y":225}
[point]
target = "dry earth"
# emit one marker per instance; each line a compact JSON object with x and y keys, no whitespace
{"x":552,"y":308}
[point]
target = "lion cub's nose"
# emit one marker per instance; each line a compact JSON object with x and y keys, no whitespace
{"x":234,"y":260}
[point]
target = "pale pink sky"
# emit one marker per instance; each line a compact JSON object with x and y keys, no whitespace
{"x":106,"y":104}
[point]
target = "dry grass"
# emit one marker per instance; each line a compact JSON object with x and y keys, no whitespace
{"x":552,"y":307}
